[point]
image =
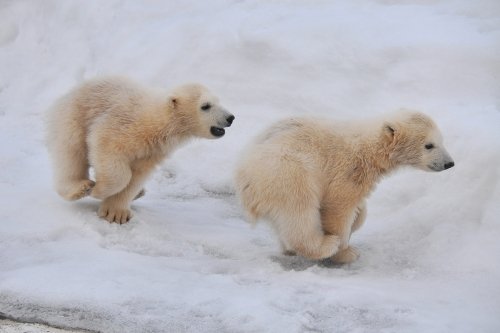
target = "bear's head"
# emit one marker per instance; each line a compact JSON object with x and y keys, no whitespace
{"x":199,"y":111}
{"x":414,"y":139}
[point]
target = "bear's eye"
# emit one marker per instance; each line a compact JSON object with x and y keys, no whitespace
{"x":429,"y":146}
{"x":206,"y":106}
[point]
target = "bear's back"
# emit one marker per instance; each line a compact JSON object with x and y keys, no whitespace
{"x":108,"y":95}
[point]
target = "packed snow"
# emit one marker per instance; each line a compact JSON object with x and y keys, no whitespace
{"x":188,"y":261}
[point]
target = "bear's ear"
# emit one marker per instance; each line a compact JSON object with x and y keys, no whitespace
{"x":173,"y":102}
{"x":389,"y":132}
{"x":389,"y":129}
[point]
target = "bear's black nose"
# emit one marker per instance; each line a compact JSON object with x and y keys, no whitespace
{"x":449,"y":165}
{"x":230,"y":120}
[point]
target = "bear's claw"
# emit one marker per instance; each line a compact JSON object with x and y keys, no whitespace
{"x":141,"y":193}
{"x":82,"y":189}
{"x":346,"y":256}
{"x":115,"y":215}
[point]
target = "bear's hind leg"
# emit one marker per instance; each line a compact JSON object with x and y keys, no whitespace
{"x":78,"y":189}
{"x":303,"y":235}
{"x":286,"y":251}
{"x":72,"y":170}
{"x":112,"y":177}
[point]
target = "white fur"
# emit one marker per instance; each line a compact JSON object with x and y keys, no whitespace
{"x":310,"y":177}
{"x":123,"y":130}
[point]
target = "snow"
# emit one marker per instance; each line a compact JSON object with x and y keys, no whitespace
{"x":8,"y":326}
{"x":188,"y":262}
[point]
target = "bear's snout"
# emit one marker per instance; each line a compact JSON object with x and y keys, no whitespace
{"x":441,"y":166}
{"x":229,"y":120}
{"x":449,"y":165}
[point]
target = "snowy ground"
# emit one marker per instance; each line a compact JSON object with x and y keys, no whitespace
{"x":8,"y":326}
{"x":188,"y":262}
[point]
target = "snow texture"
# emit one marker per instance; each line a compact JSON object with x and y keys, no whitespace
{"x":188,"y":262}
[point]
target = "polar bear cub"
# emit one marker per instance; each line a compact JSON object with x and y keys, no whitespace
{"x":310,"y":177}
{"x":123,"y":130}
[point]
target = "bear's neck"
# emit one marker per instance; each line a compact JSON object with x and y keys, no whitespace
{"x":167,"y":131}
{"x":373,"y":161}
{"x":177,"y":125}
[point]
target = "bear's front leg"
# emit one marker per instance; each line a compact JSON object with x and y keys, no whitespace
{"x":350,"y":253}
{"x":360,"y":216}
{"x":116,"y":208}
{"x":139,"y":195}
{"x":346,"y":256}
{"x":340,"y":224}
